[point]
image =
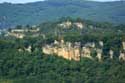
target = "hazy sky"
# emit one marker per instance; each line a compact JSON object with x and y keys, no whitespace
{"x":25,"y":1}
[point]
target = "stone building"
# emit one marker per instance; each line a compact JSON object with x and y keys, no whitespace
{"x":21,"y":33}
{"x":22,"y":30}
{"x":17,"y":35}
{"x":66,"y":24}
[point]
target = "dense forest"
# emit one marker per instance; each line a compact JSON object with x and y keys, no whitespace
{"x":37,"y":67}
{"x":37,"y":12}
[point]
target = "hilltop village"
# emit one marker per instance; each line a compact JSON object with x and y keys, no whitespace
{"x":34,"y":31}
{"x":24,"y":32}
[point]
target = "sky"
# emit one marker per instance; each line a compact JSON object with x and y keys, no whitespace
{"x":26,"y":1}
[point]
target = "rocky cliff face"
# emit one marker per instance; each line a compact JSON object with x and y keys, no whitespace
{"x":74,"y":51}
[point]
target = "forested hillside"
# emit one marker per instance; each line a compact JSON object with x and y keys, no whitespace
{"x":37,"y":12}
{"x":22,"y":59}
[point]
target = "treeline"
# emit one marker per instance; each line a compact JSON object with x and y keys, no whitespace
{"x":37,"y":67}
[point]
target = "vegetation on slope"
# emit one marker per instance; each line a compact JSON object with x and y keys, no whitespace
{"x":36,"y":67}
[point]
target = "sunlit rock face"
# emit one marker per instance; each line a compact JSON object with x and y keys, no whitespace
{"x":122,"y":53}
{"x":122,"y":56}
{"x":62,"y":49}
{"x":64,"y":53}
{"x":69,"y":53}
{"x":99,"y":54}
{"x":76,"y":54}
{"x":47,"y":49}
{"x":111,"y":53}
{"x":123,"y":45}
{"x":101,"y":43}
{"x":86,"y":52}
{"x":74,"y":51}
